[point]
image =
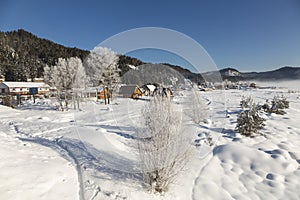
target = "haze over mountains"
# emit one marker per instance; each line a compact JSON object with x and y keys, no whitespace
{"x":23,"y":55}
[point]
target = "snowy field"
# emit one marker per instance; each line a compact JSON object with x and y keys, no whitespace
{"x":91,"y":154}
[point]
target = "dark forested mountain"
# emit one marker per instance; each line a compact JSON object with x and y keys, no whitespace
{"x":124,"y":61}
{"x":24,"y":55}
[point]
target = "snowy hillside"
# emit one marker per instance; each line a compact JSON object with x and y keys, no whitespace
{"x":92,"y":153}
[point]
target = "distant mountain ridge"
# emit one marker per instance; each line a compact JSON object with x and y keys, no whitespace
{"x":231,"y":74}
{"x":23,"y":55}
{"x":284,"y":73}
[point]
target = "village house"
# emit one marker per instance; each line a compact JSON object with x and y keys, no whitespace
{"x":149,"y":89}
{"x":163,"y":91}
{"x":22,"y":88}
{"x":130,"y":91}
{"x":103,"y":93}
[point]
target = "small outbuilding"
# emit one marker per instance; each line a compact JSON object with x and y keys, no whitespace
{"x":130,"y":91}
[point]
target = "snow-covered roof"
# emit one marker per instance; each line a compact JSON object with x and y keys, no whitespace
{"x":132,"y":67}
{"x":24,"y":84}
{"x":151,"y":87}
{"x":127,"y":89}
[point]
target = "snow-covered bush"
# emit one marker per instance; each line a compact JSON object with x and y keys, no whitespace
{"x":279,"y":104}
{"x":249,"y":121}
{"x":199,"y":110}
{"x":163,"y":151}
{"x":246,"y":102}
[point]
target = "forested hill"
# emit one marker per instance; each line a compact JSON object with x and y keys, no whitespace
{"x":23,"y":55}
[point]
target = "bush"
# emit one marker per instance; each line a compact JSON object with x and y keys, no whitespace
{"x":278,"y":105}
{"x":199,"y":110}
{"x":249,"y":122}
{"x":163,"y":153}
{"x":246,"y":102}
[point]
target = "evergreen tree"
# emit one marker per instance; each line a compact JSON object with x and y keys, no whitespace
{"x":249,"y":121}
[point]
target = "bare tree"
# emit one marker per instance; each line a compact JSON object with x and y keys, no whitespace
{"x":164,"y":151}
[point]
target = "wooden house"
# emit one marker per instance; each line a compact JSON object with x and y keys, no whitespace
{"x":149,"y":89}
{"x":130,"y":91}
{"x":103,"y":93}
{"x":163,"y":91}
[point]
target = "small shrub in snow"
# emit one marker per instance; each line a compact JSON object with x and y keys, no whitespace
{"x":278,"y":105}
{"x":246,"y":102}
{"x":265,"y":107}
{"x":199,"y":110}
{"x":249,"y":121}
{"x":163,"y":152}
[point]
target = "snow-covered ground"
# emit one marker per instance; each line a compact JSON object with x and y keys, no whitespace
{"x":91,"y":154}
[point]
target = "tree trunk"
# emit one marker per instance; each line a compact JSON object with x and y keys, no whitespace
{"x":104,"y":90}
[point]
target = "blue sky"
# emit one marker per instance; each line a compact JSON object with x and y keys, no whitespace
{"x":250,"y":35}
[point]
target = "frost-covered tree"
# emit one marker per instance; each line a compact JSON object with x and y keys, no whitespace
{"x":246,"y":102}
{"x":249,"y":121}
{"x":164,"y":150}
{"x":102,"y":68}
{"x":199,"y":110}
{"x":66,"y":75}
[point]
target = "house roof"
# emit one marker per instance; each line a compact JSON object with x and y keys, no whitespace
{"x":151,"y":87}
{"x":127,"y":89}
{"x":24,"y":84}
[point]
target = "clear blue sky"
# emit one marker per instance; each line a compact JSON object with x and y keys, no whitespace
{"x":250,"y":35}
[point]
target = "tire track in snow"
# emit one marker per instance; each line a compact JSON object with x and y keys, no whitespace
{"x":59,"y":144}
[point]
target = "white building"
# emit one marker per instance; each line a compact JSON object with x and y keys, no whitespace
{"x":22,"y":88}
